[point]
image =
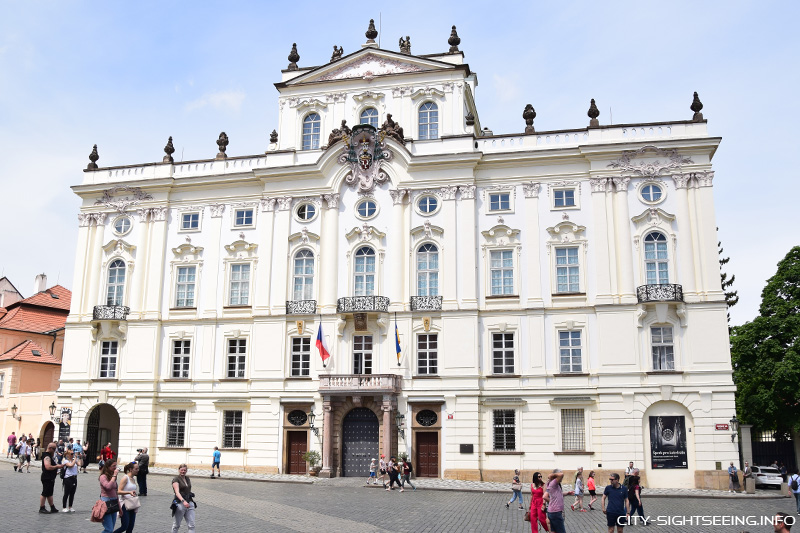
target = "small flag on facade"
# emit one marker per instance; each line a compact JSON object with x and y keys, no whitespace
{"x":324,"y":352}
{"x":397,"y":342}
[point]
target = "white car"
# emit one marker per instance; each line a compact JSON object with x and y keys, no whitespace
{"x":767,"y":476}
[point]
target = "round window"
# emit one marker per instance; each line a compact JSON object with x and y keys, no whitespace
{"x":297,"y":417}
{"x":427,"y":418}
{"x":122,"y":225}
{"x":652,"y":193}
{"x":428,"y":204}
{"x":367,"y":209}
{"x":306,"y":211}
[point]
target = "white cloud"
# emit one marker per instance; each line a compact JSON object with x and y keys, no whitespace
{"x":507,"y":88}
{"x":226,"y":100}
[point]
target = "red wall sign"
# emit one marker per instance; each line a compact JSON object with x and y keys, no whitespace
{"x":722,"y":427}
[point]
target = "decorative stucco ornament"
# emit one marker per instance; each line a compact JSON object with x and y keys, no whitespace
{"x":121,"y":204}
{"x":365,"y":150}
{"x":649,"y":168}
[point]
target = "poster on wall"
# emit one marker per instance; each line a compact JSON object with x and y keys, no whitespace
{"x":668,"y":442}
{"x":64,"y":424}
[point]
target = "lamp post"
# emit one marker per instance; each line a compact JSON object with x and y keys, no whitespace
{"x":734,"y":432}
{"x":400,"y":419}
{"x":311,"y":418}
{"x":14,"y":413}
{"x":53,"y":412}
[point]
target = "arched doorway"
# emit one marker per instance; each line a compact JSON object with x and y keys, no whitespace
{"x":102,"y":427}
{"x":47,"y":434}
{"x":360,"y":431}
{"x":669,"y":447}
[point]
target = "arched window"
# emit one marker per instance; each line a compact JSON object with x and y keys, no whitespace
{"x":656,"y":258}
{"x":311,"y":125}
{"x":370,"y":116}
{"x":303,"y":275}
{"x":428,"y":270}
{"x":365,"y":272}
{"x":116,"y":283}
{"x":428,"y":121}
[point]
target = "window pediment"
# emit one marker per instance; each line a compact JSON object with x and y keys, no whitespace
{"x":501,"y":235}
{"x":302,"y":104}
{"x":303,"y":237}
{"x":365,"y":233}
{"x":654,"y":217}
{"x":426,"y":231}
{"x":567,"y":231}
{"x":241,"y":249}
{"x":119,"y":247}
{"x":427,"y":93}
{"x":187,"y":252}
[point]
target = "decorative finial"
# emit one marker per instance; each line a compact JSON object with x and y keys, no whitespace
{"x":337,"y":53}
{"x":405,"y":45}
{"x":169,"y":150}
{"x":593,"y":114}
{"x":371,"y":32}
{"x":222,"y":142}
{"x":453,"y":41}
{"x":294,"y":57}
{"x":697,"y":106}
{"x":93,"y":157}
{"x":273,"y":137}
{"x":470,"y":119}
{"x":529,"y":114}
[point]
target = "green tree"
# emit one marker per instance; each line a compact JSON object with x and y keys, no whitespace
{"x":766,"y":354}
{"x":731,"y":296}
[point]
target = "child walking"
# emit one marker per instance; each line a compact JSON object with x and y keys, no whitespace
{"x":578,"y":492}
{"x":372,"y":472}
{"x":592,"y":489}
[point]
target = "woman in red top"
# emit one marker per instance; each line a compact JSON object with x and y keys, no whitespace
{"x":538,"y":516}
{"x":590,"y":486}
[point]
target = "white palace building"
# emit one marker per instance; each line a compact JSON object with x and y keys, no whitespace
{"x":555,"y":296}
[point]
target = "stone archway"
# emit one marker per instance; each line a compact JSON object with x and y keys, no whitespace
{"x":47,"y":434}
{"x":360,"y":438}
{"x":340,"y":409}
{"x":102,"y":427}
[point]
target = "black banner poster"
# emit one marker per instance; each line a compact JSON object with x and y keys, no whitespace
{"x":65,"y":422}
{"x":668,"y":442}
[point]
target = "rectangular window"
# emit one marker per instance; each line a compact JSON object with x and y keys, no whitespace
{"x":232,"y":429}
{"x":190,"y":221}
{"x":569,"y":346}
{"x":567,"y":270}
{"x":427,"y":354}
{"x":237,"y":350}
{"x":505,"y":431}
{"x":243,"y":217}
{"x":564,"y":198}
{"x":301,"y":356}
{"x":502,"y":272}
{"x":663,"y":348}
{"x":573,"y":434}
{"x":499,"y":201}
{"x":503,"y":353}
{"x":240,"y":285}
{"x":184,"y":291}
{"x":176,"y":428}
{"x":108,"y":359}
{"x":362,"y":354}
{"x":180,"y":359}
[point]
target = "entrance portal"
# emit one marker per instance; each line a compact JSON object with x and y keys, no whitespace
{"x":360,"y":430}
{"x":102,"y":427}
{"x":48,"y":434}
{"x":297,"y":447}
{"x":427,"y":454}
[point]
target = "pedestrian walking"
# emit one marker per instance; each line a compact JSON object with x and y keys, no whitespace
{"x":216,"y":457}
{"x":23,"y":456}
{"x":733,"y":478}
{"x":635,"y":498}
{"x":784,"y":471}
{"x":617,"y":509}
{"x":578,"y":491}
{"x":69,"y":481}
{"x":48,"y":478}
{"x":143,"y":462}
{"x":373,"y":476}
{"x":12,"y":443}
{"x":555,"y":501}
{"x":394,"y":473}
{"x":628,"y":473}
{"x":183,"y":506}
{"x":108,"y":493}
{"x":516,"y":490}
{"x":129,"y":501}
{"x":538,"y":515}
{"x":383,"y":470}
{"x":592,"y":488}
{"x":794,"y":486}
{"x":408,"y":469}
{"x":79,"y":455}
{"x":107,"y":453}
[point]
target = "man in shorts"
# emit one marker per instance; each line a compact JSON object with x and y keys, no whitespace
{"x":616,"y":511}
{"x":12,"y":442}
{"x":24,"y":456}
{"x":554,"y":496}
{"x":215,"y":461}
{"x":49,"y":474}
{"x":373,"y":476}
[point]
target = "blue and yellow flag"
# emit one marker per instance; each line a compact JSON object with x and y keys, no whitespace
{"x":397,"y":342}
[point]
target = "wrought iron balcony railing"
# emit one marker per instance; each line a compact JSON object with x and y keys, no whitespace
{"x":360,"y":383}
{"x":111,"y":312}
{"x":301,"y":307}
{"x":362,"y":304}
{"x":665,"y":292}
{"x":426,"y":303}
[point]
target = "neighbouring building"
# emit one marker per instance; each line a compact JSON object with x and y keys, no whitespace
{"x":555,"y":296}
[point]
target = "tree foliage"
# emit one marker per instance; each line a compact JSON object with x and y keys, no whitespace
{"x":766,"y":354}
{"x":731,"y":296}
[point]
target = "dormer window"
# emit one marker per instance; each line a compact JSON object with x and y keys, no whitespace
{"x":428,"y":121}
{"x":311,"y":128}
{"x":370,"y":116}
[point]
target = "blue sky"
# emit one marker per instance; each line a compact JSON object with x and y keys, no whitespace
{"x":128,"y":75}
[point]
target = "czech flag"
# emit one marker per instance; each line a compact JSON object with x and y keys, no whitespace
{"x":324,"y":352}
{"x":397,"y":343}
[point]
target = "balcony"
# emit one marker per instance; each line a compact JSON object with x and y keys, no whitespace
{"x":659,"y":293}
{"x":301,"y":307}
{"x":364,"y":384}
{"x":426,"y":303}
{"x":363,"y":304}
{"x":110,"y":312}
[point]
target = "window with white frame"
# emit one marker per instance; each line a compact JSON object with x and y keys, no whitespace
{"x":503,"y":353}
{"x":663,"y":346}
{"x":573,"y":430}
{"x":303,"y":275}
{"x":567,"y":270}
{"x":366,"y":209}
{"x":504,"y":424}
{"x":301,"y":356}
{"x":427,"y":354}
{"x":2,"y":382}
{"x":652,"y":193}
{"x":237,"y":352}
{"x":370,"y":116}
{"x":501,"y":269}
{"x":428,"y":204}
{"x":563,"y":198}
{"x":108,"y":359}
{"x":428,"y":270}
{"x":364,"y":272}
{"x":428,"y":121}
{"x":499,"y":201}
{"x":656,"y":258}
{"x":184,"y":289}
{"x":311,"y":129}
{"x":306,"y":212}
{"x":181,"y":349}
{"x":243,"y":217}
{"x":122,"y":225}
{"x":232,"y":429}
{"x":176,"y":428}
{"x":240,"y":285}
{"x":362,"y":354}
{"x":115,"y":290}
{"x":190,"y":221}
{"x":570,"y":351}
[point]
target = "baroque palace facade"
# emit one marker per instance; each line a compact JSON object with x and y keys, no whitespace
{"x":555,"y":296}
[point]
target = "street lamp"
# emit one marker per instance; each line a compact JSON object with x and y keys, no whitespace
{"x":400,"y":419}
{"x":734,"y":427}
{"x":311,"y":418}
{"x":53,"y":410}
{"x":14,"y":413}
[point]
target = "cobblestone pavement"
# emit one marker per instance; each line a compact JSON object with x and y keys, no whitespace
{"x":246,"y":506}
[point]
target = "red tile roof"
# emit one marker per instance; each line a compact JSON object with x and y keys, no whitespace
{"x":56,"y":296}
{"x":33,"y":319}
{"x":24,"y":352}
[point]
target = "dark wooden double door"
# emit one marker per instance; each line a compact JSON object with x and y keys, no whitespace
{"x":427,"y":444}
{"x":297,"y":444}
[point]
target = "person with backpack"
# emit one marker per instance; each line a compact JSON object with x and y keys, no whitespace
{"x":733,"y":482}
{"x":408,"y":469}
{"x":794,"y":485}
{"x":635,"y":498}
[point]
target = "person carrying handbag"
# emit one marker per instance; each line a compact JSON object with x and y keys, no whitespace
{"x":128,"y":498}
{"x":108,"y":494}
{"x":516,"y":488}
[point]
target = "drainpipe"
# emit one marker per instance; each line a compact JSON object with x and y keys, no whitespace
{"x":54,"y":333}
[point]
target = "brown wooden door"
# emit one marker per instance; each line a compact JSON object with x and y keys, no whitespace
{"x":427,"y":454}
{"x":296,"y":443}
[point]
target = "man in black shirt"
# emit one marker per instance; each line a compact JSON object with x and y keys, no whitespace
{"x":49,"y":474}
{"x":143,"y":459}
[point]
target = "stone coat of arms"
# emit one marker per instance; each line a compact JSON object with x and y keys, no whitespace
{"x":365,"y":151}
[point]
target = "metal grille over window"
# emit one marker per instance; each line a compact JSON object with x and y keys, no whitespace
{"x":573,"y":432}
{"x":362,"y":354}
{"x":301,"y":356}
{"x":297,"y":417}
{"x":426,"y":418}
{"x":503,"y":353}
{"x":569,"y":345}
{"x":663,"y":348}
{"x":232,"y":429}
{"x":108,"y":359}
{"x":237,"y":349}
{"x":176,"y":428}
{"x":180,"y":359}
{"x":427,"y":354}
{"x":505,"y":439}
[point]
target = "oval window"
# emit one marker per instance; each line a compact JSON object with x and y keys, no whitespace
{"x":428,"y":204}
{"x":306,"y":212}
{"x":367,"y":209}
{"x":122,"y":225}
{"x":652,"y":193}
{"x":426,"y":418}
{"x":297,"y":417}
